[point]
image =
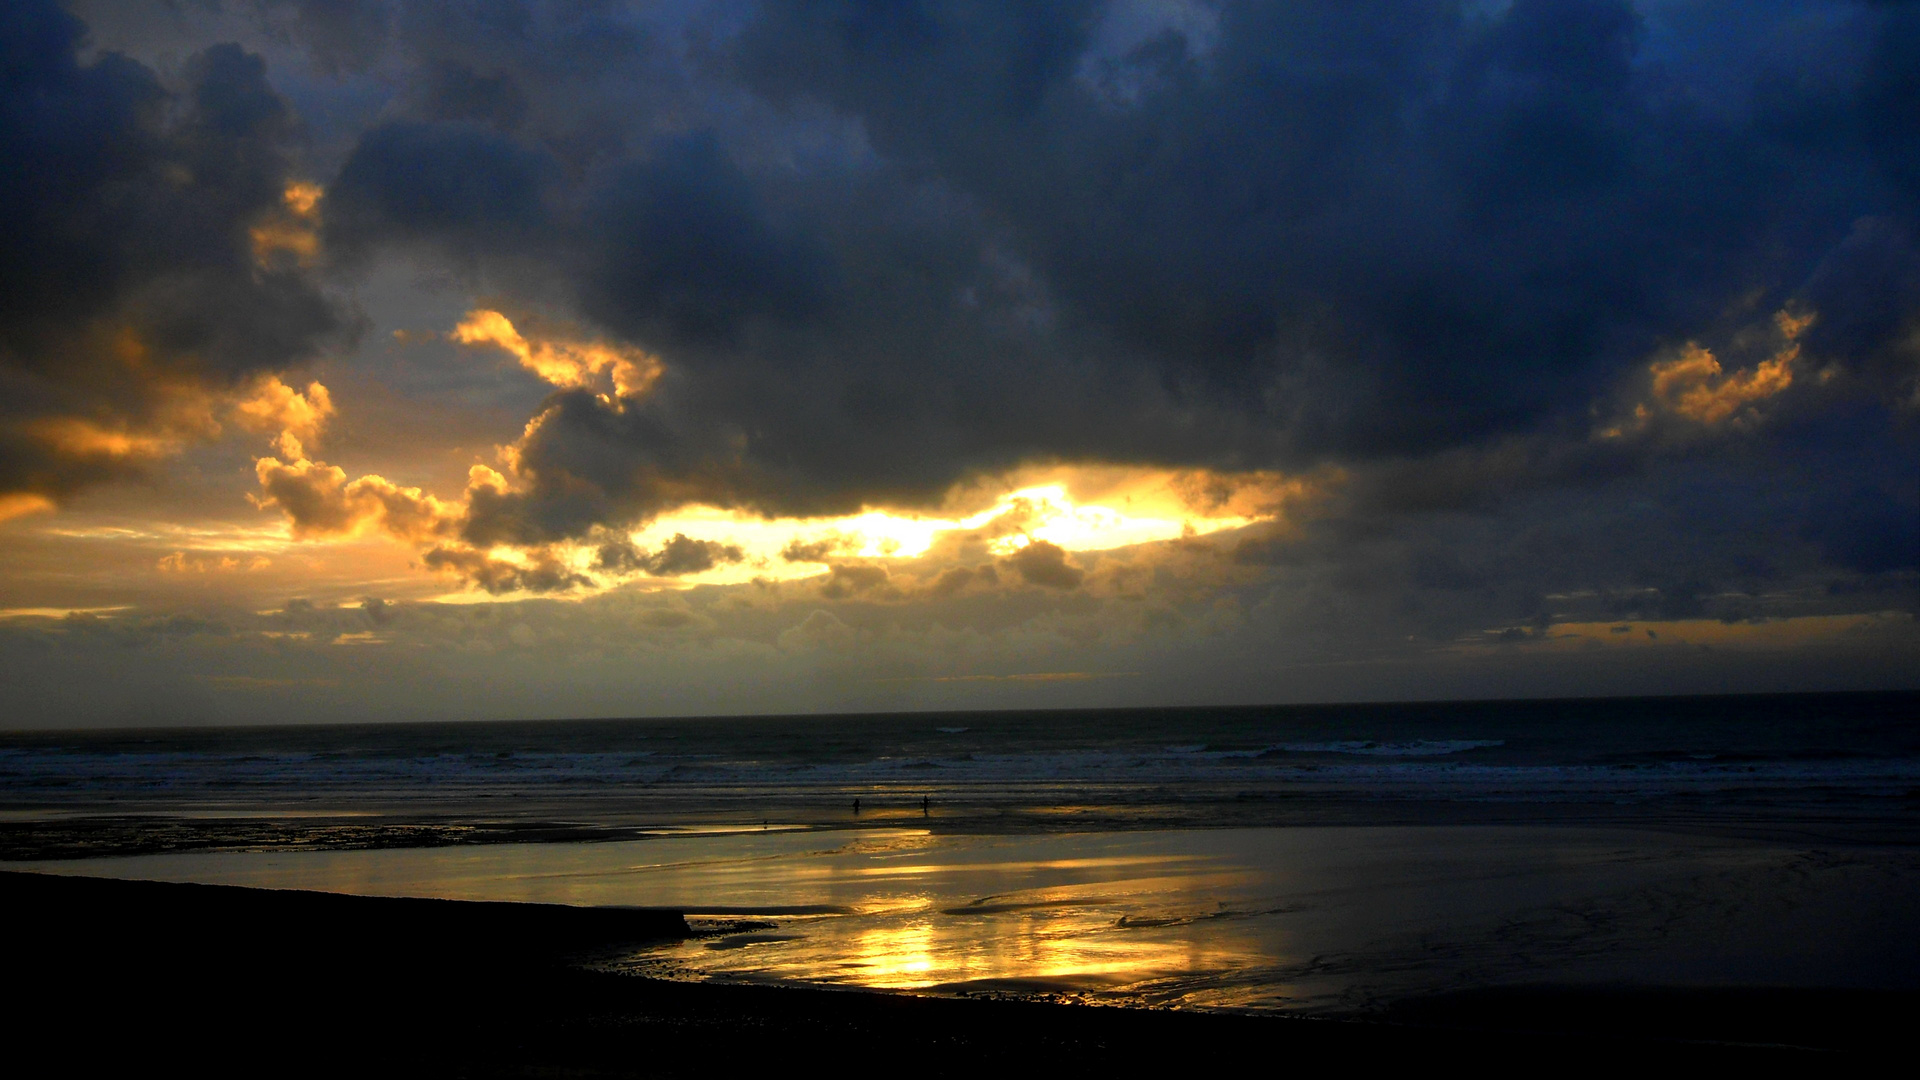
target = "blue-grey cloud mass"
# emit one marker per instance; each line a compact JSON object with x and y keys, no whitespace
{"x":1601,"y":299}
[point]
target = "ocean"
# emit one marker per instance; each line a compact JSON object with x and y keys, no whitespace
{"x":1311,"y":858}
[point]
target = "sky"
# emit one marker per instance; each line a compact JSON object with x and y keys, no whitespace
{"x":372,"y":360}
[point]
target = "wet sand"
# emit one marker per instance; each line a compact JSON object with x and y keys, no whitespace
{"x":1320,"y":920}
{"x":218,"y":979}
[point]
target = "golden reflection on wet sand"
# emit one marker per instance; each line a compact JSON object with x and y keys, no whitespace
{"x":1228,"y":917}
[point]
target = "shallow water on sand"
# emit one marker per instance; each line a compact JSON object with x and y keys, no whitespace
{"x":1309,"y":918}
{"x":1317,"y":857}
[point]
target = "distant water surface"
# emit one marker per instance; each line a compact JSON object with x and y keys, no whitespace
{"x":1679,"y":761}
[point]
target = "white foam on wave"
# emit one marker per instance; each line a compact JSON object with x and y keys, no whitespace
{"x":1413,"y":748}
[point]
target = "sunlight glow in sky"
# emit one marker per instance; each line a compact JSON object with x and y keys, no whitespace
{"x":1045,"y":512}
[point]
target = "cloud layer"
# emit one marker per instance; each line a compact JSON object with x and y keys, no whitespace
{"x":882,"y":248}
{"x":135,"y":299}
{"x":1449,"y":323}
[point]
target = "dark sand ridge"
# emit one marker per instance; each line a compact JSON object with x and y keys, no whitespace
{"x":129,"y":975}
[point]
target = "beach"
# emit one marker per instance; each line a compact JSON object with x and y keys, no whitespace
{"x":1302,"y":920}
{"x":1078,"y":892}
{"x":227,"y":980}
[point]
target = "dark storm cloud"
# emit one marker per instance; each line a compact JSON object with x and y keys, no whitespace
{"x":457,"y":183}
{"x":1044,"y":564}
{"x":849,"y":579}
{"x":1890,"y":96}
{"x":340,"y":35}
{"x":682,"y":554}
{"x":1866,"y":528}
{"x":882,"y":246}
{"x":1867,"y":290}
{"x":542,"y":574}
{"x":683,"y":251}
{"x":130,"y":282}
{"x":455,"y":91}
{"x":1400,"y":226}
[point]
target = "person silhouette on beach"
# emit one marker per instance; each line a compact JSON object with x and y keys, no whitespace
{"x":925,"y":802}
{"x":856,"y":808}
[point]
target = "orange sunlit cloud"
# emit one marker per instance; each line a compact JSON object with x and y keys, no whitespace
{"x":1056,"y":509}
{"x":1694,"y":386}
{"x":180,"y":410}
{"x":272,"y":405}
{"x":251,"y":565}
{"x":564,"y":362}
{"x":1782,"y":633}
{"x":20,"y":504}
{"x":223,"y":537}
{"x":74,"y":437}
{"x":180,"y":562}
{"x":319,"y":500}
{"x":292,"y":230}
{"x":302,"y":198}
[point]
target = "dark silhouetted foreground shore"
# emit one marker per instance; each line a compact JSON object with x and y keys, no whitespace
{"x":132,"y":975}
